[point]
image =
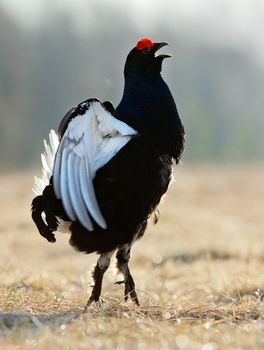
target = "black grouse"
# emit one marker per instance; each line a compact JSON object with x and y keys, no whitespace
{"x":106,"y":169}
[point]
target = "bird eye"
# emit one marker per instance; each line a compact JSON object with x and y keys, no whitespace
{"x":146,"y":50}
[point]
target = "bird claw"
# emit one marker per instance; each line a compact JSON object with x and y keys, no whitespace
{"x":119,"y":282}
{"x":98,"y":302}
{"x":133,"y":296}
{"x":130,"y":291}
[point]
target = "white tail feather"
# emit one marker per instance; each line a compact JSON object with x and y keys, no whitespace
{"x":47,"y":160}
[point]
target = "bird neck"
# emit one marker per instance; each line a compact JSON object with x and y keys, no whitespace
{"x":138,"y":97}
{"x":149,"y":107}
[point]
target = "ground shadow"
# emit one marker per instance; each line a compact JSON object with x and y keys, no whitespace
{"x":203,"y":254}
{"x":15,"y":321}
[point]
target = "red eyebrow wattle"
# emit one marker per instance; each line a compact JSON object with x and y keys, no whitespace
{"x":144,"y":43}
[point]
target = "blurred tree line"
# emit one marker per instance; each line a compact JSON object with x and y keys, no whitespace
{"x":46,"y":70}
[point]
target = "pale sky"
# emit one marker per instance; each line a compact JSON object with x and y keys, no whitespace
{"x":221,"y":22}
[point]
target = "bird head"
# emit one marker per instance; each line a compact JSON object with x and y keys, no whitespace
{"x":143,"y":61}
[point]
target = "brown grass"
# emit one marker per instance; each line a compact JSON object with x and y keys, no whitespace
{"x":199,"y":272}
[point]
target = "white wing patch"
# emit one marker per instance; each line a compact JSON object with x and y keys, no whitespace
{"x":89,"y":142}
{"x":47,"y":160}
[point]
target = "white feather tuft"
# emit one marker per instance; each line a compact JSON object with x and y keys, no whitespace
{"x":47,"y":160}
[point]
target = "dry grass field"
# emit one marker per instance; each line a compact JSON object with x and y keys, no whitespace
{"x":199,"y":272}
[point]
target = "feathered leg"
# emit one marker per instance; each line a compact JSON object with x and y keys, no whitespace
{"x":36,"y":211}
{"x":123,"y":256}
{"x":102,"y":265}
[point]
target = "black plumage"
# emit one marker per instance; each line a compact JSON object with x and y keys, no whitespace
{"x":130,"y":185}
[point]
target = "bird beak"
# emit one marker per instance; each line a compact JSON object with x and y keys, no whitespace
{"x":158,"y":46}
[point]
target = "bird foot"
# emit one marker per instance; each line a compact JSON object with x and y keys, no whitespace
{"x":133,"y":296}
{"x":130,"y":291}
{"x":98,"y":302}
